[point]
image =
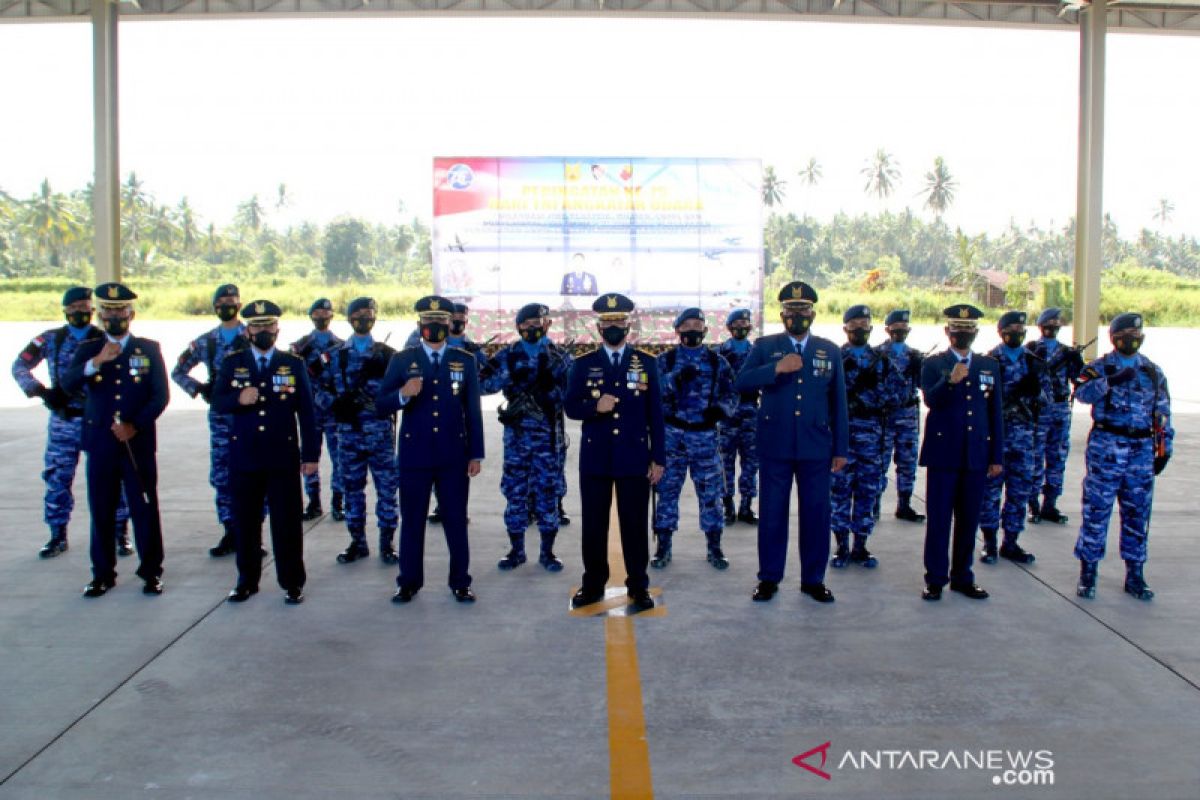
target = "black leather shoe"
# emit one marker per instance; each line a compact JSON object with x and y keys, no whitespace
{"x":404,"y":594}
{"x":97,"y":588}
{"x":464,"y":595}
{"x":817,"y":591}
{"x":436,"y":516}
{"x":314,"y":509}
{"x":222,"y":549}
{"x":969,"y":590}
{"x":640,"y":599}
{"x":748,"y":516}
{"x":388,"y":556}
{"x":764,"y":591}
{"x":124,"y":547}
{"x":932,"y":593}
{"x":53,"y":548}
{"x":586,"y":598}
{"x":152,"y":586}
{"x":294,"y":597}
{"x":241,"y":594}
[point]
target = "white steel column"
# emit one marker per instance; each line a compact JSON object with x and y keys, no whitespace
{"x":1089,"y":216}
{"x":106,"y":189}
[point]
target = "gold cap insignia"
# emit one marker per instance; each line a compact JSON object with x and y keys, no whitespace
{"x":964,"y":313}
{"x":796,"y":292}
{"x":434,"y":305}
{"x":612,"y":301}
{"x":113,"y":293}
{"x":260,"y":308}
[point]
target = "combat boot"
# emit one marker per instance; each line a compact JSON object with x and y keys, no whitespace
{"x":227,"y":544}
{"x":746,"y":513}
{"x":124,"y":547}
{"x":1035,"y":511}
{"x":1051,"y":514}
{"x":337,"y":508}
{"x":314,"y":510}
{"x":1135,"y":582}
{"x":905,"y":511}
{"x":57,"y":543}
{"x":730,"y":514}
{"x":546,"y":557}
{"x":1087,"y":579}
{"x":715,"y":556}
{"x":988,"y":556}
{"x":861,"y":555}
{"x":662,"y":550}
{"x":842,"y":554}
{"x":516,"y":555}
{"x":357,"y":548}
{"x":387,"y":554}
{"x":1013,"y":551}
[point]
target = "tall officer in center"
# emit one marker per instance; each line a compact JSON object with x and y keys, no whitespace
{"x":739,"y":433}
{"x":314,"y":344}
{"x":436,"y":388}
{"x":210,"y":349}
{"x":803,"y":437}
{"x":615,"y":391}
{"x":963,"y":448}
{"x":1052,"y":441}
{"x":902,"y":424}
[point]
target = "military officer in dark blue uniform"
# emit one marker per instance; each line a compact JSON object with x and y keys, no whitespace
{"x":126,"y":385}
{"x":314,"y":344}
{"x":803,"y":437}
{"x":436,"y":389}
{"x":615,"y":391}
{"x":265,"y":392}
{"x":962,"y":449}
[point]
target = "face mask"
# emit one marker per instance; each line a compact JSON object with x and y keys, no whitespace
{"x":226,"y":313}
{"x":614,"y":335}
{"x":898,"y":336}
{"x":1127,"y":345}
{"x":858,"y":337}
{"x":532,"y":335}
{"x":264,"y":340}
{"x":79,"y":319}
{"x":691,"y":338}
{"x":116,"y":326}
{"x":362,"y":325}
{"x":1014,"y":339}
{"x":457,"y":326}
{"x":434,"y":331}
{"x":962,"y":339}
{"x":1050,"y":333}
{"x":740,"y":333}
{"x":797,"y":324}
{"x":321,"y":323}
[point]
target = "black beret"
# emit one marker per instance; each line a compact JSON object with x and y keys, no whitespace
{"x":360,"y":304}
{"x":1122,"y":321}
{"x":225,"y":290}
{"x":856,"y":312}
{"x":532,"y":311}
{"x":899,"y":315}
{"x":75,"y":294}
{"x":688,"y":313}
{"x":1011,"y":318}
{"x":320,"y":304}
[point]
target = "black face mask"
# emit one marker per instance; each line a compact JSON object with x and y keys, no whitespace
{"x":614,"y":334}
{"x":321,"y":323}
{"x":79,"y":319}
{"x":858,"y":337}
{"x":434,"y":331}
{"x":797,"y":324}
{"x":1014,"y":339}
{"x":264,"y":340}
{"x":898,"y":336}
{"x":1050,"y":332}
{"x":227,"y":313}
{"x":457,"y":326}
{"x":532,"y":335}
{"x":362,"y":325}
{"x":691,"y":338}
{"x":116,"y":326}
{"x":1127,"y":345}
{"x":739,"y":333}
{"x":962,"y":340}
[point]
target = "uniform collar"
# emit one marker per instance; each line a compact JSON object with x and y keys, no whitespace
{"x":429,"y":351}
{"x":620,"y":351}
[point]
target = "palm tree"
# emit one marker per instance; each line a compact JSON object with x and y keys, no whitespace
{"x":882,"y":175}
{"x":939,"y":188}
{"x":250,"y":215}
{"x":772,"y":188}
{"x":282,"y":198}
{"x":1164,"y":211}
{"x":49,"y":222}
{"x":189,"y":232}
{"x":811,"y":174}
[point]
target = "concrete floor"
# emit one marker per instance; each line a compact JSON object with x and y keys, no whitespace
{"x":185,"y":696}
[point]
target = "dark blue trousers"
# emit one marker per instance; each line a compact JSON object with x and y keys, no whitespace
{"x":951,"y":495}
{"x":812,"y":478}
{"x":451,"y":483}
{"x":107,"y":473}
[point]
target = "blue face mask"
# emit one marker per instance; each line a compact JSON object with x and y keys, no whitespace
{"x":1013,"y":352}
{"x":532,"y":350}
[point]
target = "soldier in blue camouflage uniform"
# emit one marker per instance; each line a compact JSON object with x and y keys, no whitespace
{"x":1052,"y":440}
{"x":697,"y":393}
{"x":366,"y":441}
{"x":210,"y":350}
{"x":532,"y":373}
{"x":1022,"y":399}
{"x":856,"y":488}
{"x":1130,"y":443}
{"x":310,"y":348}
{"x":739,"y":432}
{"x":902,"y":425}
{"x":57,"y":347}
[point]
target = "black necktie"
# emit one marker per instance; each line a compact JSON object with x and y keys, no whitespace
{"x":262,"y":364}
{"x":616,"y":360}
{"x":436,"y":360}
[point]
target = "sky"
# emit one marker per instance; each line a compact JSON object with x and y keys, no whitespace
{"x":349,"y":114}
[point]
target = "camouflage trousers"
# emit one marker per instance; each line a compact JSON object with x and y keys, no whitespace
{"x":855,"y":487}
{"x":696,"y":451}
{"x":901,"y":440}
{"x":1119,"y":469}
{"x":1051,"y":444}
{"x":62,"y":457}
{"x":1016,"y":482}
{"x":739,"y":439}
{"x":370,"y":448}
{"x":312,"y":483}
{"x":532,"y":462}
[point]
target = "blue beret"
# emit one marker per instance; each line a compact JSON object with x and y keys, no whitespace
{"x":261,"y":311}
{"x":686,"y":314}
{"x":320,"y":304}
{"x":532,"y":311}
{"x":1049,"y":315}
{"x":461,"y":308}
{"x":114,"y":294}
{"x":739,"y":315}
{"x":225,"y":290}
{"x":1011,"y":318}
{"x":433,"y":303}
{"x":797,"y":290}
{"x":360,"y":304}
{"x":856,"y":312}
{"x":75,"y":294}
{"x":1122,"y":321}
{"x":899,"y":315}
{"x":962,"y":311}
{"x":612,"y":304}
